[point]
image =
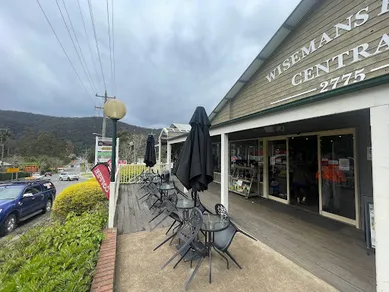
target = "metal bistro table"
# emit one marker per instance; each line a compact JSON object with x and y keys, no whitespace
{"x":163,"y":191}
{"x":185,"y":205}
{"x":212,"y":223}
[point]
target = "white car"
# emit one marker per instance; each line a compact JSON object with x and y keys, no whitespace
{"x":36,"y":175}
{"x":68,"y":176}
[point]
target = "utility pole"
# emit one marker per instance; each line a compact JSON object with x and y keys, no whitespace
{"x":105,"y":97}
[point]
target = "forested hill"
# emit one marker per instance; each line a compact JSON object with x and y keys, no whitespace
{"x":77,"y":130}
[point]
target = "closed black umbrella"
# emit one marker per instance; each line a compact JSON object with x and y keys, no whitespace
{"x":194,"y":167}
{"x":150,"y":158}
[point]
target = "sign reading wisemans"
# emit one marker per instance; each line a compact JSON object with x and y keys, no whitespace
{"x":355,"y":53}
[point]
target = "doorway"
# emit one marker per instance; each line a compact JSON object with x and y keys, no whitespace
{"x":303,"y":165}
{"x":277,"y":167}
{"x":337,"y":179}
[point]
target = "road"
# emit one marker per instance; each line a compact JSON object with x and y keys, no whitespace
{"x":43,"y":218}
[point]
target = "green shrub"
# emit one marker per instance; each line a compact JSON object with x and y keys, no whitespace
{"x":78,"y":198}
{"x":7,"y":176}
{"x":58,"y":257}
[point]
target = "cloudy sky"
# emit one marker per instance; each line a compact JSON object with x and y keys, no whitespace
{"x":170,"y":55}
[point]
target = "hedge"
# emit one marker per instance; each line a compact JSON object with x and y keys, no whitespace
{"x":8,"y":176}
{"x":78,"y":198}
{"x":58,"y":257}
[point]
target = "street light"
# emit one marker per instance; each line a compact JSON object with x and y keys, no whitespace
{"x":115,"y":110}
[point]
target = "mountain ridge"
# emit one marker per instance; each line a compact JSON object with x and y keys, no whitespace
{"x":78,"y":130}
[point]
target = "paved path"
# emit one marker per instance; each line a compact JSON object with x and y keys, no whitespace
{"x":138,"y":268}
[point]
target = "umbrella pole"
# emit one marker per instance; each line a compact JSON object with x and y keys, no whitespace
{"x":195,"y":198}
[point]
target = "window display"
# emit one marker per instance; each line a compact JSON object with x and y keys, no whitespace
{"x":245,"y":160}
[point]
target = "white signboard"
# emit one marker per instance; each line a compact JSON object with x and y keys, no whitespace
{"x":103,"y":150}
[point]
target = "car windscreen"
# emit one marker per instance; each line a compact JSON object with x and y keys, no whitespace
{"x":10,"y":192}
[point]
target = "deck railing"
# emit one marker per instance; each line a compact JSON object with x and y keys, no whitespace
{"x":113,"y":198}
{"x":129,"y":173}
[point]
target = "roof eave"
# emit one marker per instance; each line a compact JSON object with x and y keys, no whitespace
{"x":286,"y":28}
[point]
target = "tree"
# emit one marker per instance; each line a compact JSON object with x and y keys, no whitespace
{"x":132,"y":146}
{"x":5,"y":134}
{"x":91,"y":155}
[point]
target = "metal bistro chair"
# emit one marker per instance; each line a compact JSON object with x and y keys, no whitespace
{"x":152,"y":191}
{"x":223,"y":239}
{"x":169,"y":210}
{"x":188,"y":234}
{"x":195,"y":196}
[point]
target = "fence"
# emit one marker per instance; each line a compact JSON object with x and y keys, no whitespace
{"x":129,"y":173}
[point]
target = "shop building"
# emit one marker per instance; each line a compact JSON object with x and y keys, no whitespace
{"x":175,"y":130}
{"x":307,"y":123}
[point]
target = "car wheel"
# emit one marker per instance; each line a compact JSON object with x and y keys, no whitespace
{"x":69,"y":179}
{"x":48,"y":206}
{"x":60,"y":178}
{"x":9,"y":224}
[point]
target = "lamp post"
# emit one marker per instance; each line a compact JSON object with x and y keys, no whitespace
{"x":115,"y":110}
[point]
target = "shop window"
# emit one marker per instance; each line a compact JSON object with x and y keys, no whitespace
{"x":246,"y":159}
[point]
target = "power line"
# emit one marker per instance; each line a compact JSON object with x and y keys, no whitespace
{"x":79,"y":47}
{"x":74,"y":45}
{"x":109,"y":40}
{"x":113,"y":49}
{"x":97,"y":44}
{"x":87,"y":38}
{"x":63,"y":49}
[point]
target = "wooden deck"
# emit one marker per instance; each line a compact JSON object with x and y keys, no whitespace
{"x":331,"y":250}
{"x":132,"y":215}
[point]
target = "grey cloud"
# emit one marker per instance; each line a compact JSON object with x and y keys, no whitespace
{"x":170,"y":55}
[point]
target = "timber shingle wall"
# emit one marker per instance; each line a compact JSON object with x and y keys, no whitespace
{"x":259,"y":94}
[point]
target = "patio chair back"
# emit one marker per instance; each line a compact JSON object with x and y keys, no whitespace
{"x":166,"y":175}
{"x":222,"y":211}
{"x":191,"y":227}
{"x":223,"y":239}
{"x":169,"y":210}
{"x":153,"y":188}
{"x":171,"y":198}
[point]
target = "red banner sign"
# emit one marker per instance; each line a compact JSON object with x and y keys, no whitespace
{"x":102,"y":175}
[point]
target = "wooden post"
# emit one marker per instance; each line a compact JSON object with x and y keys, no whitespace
{"x":225,"y":169}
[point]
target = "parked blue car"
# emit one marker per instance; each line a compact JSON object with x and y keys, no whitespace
{"x":20,"y":200}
